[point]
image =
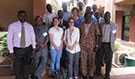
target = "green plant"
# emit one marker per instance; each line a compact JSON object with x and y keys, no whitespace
{"x":116,"y":47}
{"x":3,"y":44}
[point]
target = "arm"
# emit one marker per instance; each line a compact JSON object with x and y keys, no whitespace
{"x":51,"y":39}
{"x":98,"y":35}
{"x":81,"y":30}
{"x":113,"y":35}
{"x":62,"y":39}
{"x":114,"y":30}
{"x":47,"y":40}
{"x":65,"y":38}
{"x":77,"y":38}
{"x":33,"y":38}
{"x":10,"y":39}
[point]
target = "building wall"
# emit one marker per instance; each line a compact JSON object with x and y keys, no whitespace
{"x":39,"y":7}
{"x":8,"y":9}
{"x":132,"y":29}
{"x":119,"y":22}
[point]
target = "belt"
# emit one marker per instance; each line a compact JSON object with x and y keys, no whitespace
{"x":106,"y":43}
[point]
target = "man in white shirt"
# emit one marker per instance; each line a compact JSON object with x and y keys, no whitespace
{"x":66,"y":14}
{"x":21,"y":42}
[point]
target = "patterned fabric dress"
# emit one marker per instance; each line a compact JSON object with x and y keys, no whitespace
{"x":88,"y":43}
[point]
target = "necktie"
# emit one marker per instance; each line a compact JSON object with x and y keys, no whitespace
{"x":22,"y":40}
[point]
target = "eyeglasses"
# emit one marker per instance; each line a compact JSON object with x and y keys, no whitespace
{"x":71,"y":22}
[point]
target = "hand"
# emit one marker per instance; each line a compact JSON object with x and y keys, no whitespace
{"x":11,"y":52}
{"x":95,"y":49}
{"x":12,"y":55}
{"x":34,"y":50}
{"x":70,"y":47}
{"x":42,"y":46}
{"x":59,"y":49}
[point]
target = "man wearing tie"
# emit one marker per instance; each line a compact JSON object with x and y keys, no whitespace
{"x":21,"y":42}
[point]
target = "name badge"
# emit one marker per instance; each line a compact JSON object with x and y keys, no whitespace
{"x":114,"y":31}
{"x":19,"y":34}
{"x":45,"y":34}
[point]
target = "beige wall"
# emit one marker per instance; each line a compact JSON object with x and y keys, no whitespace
{"x":8,"y":9}
{"x":108,"y":5}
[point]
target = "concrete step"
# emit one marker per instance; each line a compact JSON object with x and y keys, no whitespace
{"x":7,"y":77}
{"x":6,"y":71}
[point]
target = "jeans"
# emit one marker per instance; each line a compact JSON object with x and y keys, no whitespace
{"x":55,"y":60}
{"x":73,"y":64}
{"x":41,"y":62}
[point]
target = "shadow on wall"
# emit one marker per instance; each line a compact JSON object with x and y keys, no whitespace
{"x":9,"y":8}
{"x":3,"y":29}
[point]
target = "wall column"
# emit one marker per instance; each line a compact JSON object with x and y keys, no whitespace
{"x":119,"y":23}
{"x":39,"y":7}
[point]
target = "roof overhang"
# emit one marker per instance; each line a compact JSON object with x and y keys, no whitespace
{"x":125,"y":2}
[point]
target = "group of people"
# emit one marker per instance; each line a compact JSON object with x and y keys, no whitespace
{"x":84,"y":39}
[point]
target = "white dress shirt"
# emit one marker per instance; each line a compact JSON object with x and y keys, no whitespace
{"x":14,"y":35}
{"x":71,"y":39}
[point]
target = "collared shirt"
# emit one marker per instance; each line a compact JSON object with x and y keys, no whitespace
{"x":72,"y":38}
{"x":108,"y":32}
{"x":57,"y":36}
{"x":41,"y":33}
{"x":78,"y":22}
{"x":101,"y":20}
{"x":66,"y":16}
{"x":94,"y":19}
{"x":48,"y":18}
{"x":14,"y":35}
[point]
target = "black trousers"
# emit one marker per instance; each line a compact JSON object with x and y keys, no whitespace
{"x":22,"y":60}
{"x":99,"y":61}
{"x":104,"y":55}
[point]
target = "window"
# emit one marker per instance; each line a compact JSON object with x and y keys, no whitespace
{"x":125,"y":28}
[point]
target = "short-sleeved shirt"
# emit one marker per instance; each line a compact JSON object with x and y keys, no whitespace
{"x":94,"y":19}
{"x":48,"y":18}
{"x":57,"y":36}
{"x":41,"y":33}
{"x":108,"y":32}
{"x":78,"y":22}
{"x":66,"y":16}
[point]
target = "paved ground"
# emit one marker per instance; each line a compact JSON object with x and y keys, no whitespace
{"x":117,"y":73}
{"x":114,"y":77}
